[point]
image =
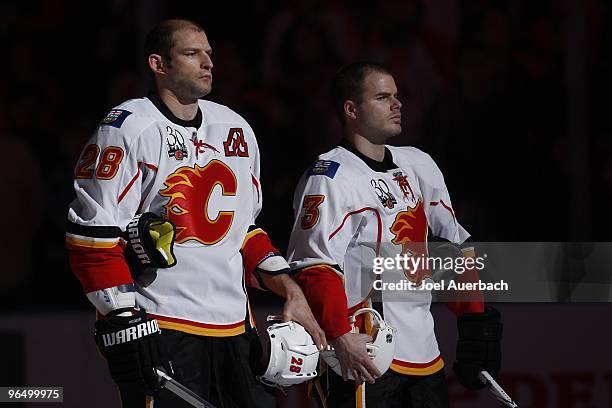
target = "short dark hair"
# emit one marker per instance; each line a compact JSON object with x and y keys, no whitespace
{"x":159,"y":39}
{"x":347,"y":83}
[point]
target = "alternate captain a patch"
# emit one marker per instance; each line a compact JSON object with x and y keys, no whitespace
{"x":116,"y":117}
{"x":324,"y":168}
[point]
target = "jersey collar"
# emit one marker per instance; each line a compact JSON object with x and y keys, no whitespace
{"x":379,"y":166}
{"x":161,"y":106}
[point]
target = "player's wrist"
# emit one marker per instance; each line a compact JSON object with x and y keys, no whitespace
{"x":283,"y":285}
{"x":121,"y":297}
{"x":292,"y":289}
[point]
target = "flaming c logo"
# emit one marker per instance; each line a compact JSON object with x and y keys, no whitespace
{"x":190,"y":190}
{"x":410,"y":230}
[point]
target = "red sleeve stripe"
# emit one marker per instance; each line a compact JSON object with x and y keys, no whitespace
{"x":249,"y":277}
{"x":130,"y":184}
{"x":467,"y":301}
{"x":256,"y":184}
{"x":323,"y":266}
{"x":99,"y":268}
{"x":434,"y":203}
{"x":256,"y":247}
{"x":325,"y":293}
{"x":133,"y":180}
{"x":379,"y":232}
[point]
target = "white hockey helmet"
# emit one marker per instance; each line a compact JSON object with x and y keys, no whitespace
{"x":293,"y":355}
{"x":380,"y":350}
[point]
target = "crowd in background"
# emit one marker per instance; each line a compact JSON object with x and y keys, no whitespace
{"x":485,"y":87}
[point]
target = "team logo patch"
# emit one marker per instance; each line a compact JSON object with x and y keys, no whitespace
{"x":176,"y":144}
{"x":116,"y":118}
{"x":190,"y":191}
{"x":324,"y":168}
{"x":383,"y":193}
{"x":236,"y":144}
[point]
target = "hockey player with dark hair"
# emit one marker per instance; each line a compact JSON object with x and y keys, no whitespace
{"x":162,"y":235}
{"x":365,"y":191}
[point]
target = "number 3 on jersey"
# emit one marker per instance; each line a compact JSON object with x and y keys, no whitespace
{"x":107,"y":167}
{"x":311,"y":210}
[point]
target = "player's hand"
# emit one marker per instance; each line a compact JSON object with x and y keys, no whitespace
{"x":296,"y":308}
{"x":478,"y":346}
{"x":130,"y":345}
{"x":352,"y":354}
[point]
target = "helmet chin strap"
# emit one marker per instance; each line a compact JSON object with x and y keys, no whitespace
{"x":361,"y":311}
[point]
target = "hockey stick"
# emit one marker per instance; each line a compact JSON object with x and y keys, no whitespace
{"x":181,"y":391}
{"x":496,"y":389}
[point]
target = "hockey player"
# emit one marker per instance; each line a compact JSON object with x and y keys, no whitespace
{"x":171,"y":158}
{"x":365,"y":193}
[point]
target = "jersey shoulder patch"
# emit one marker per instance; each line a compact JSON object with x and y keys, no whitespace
{"x":324,"y":168}
{"x":115,"y":118}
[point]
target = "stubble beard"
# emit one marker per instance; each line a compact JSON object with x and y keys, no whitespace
{"x":380,"y":135}
{"x":188,"y":90}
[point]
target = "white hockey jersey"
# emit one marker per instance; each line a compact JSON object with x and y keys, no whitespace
{"x":204,"y":176}
{"x":342,"y":204}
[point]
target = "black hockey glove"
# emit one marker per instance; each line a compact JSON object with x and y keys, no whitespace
{"x":478,"y":347}
{"x":150,"y":243}
{"x":130,"y":345}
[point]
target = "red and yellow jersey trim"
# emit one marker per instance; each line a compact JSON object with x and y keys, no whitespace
{"x":90,"y":242}
{"x":406,"y":368}
{"x":256,"y":247}
{"x":98,"y":266}
{"x":251,"y":234}
{"x":200,"y":329}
